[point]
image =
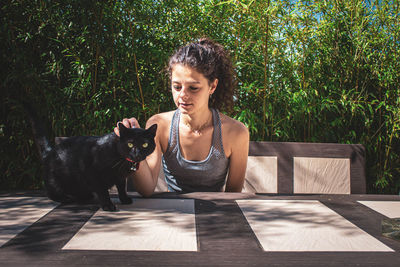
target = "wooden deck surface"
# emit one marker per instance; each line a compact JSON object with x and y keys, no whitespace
{"x":225,"y":230}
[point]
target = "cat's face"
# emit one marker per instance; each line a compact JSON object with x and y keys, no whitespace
{"x":137,"y":143}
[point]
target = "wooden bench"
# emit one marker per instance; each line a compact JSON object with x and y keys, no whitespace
{"x":301,"y":168}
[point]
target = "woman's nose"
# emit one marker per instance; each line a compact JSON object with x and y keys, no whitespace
{"x":184,"y":92}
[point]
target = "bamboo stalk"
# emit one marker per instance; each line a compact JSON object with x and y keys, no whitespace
{"x":266,"y":61}
{"x":388,"y":147}
{"x":96,"y":67}
{"x":132,"y":30}
{"x":138,"y":80}
{"x":99,"y":20}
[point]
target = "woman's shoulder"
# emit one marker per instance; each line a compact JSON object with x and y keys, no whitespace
{"x":235,"y":135}
{"x":162,"y":119}
{"x":232,"y":126}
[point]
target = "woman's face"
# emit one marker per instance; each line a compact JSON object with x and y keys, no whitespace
{"x":190,"y":89}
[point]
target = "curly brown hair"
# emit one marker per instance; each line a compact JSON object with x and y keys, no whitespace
{"x":213,"y":61}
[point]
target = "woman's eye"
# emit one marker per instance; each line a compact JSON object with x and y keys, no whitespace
{"x":176,"y":87}
{"x":194,"y":88}
{"x":130,"y":145}
{"x":145,"y":145}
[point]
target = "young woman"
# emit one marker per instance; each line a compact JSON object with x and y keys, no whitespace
{"x":199,"y":148}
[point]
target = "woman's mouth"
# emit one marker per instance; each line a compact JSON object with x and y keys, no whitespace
{"x":185,"y":105}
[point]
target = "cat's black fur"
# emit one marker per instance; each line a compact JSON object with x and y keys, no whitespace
{"x":81,"y":168}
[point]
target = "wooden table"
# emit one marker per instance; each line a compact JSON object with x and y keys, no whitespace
{"x":201,"y":229}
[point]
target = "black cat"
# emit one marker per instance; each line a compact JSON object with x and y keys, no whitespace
{"x":77,"y":169}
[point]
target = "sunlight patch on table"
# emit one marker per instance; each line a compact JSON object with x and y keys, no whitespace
{"x":390,"y":209}
{"x":304,"y":225}
{"x":146,"y":224}
{"x":18,"y":213}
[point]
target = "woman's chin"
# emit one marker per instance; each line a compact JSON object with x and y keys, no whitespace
{"x":186,"y":109}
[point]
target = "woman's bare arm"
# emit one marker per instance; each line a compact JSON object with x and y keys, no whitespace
{"x":239,"y":149}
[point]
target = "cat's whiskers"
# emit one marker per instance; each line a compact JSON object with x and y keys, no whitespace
{"x":118,"y":162}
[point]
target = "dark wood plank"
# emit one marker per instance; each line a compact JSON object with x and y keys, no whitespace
{"x":219,"y":224}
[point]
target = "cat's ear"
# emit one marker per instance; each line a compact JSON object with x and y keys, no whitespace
{"x":122,"y":129}
{"x":153,"y":129}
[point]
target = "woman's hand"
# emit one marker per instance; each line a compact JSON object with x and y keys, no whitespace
{"x":128,"y":123}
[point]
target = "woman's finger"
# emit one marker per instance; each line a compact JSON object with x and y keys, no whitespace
{"x":116,"y":131}
{"x":134,"y":123}
{"x":126,"y":123}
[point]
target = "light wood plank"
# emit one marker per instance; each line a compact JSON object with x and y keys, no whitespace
{"x":304,"y":225}
{"x":147,"y":224}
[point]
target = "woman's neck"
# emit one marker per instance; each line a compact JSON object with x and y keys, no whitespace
{"x":197,"y":122}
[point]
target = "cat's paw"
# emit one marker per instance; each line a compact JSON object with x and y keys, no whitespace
{"x":109,"y":207}
{"x":125,"y":200}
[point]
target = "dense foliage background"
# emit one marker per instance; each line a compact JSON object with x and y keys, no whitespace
{"x":308,"y":71}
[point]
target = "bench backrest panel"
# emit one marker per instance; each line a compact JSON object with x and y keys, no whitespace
{"x":310,"y":168}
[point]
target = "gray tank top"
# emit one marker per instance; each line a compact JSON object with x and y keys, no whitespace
{"x":184,"y":175}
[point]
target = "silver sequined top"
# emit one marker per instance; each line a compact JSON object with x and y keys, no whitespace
{"x":184,"y":175}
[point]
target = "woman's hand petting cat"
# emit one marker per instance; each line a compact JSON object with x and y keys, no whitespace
{"x":128,"y":123}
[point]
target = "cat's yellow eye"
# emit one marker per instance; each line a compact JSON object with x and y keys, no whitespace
{"x":130,"y":145}
{"x":145,"y":145}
